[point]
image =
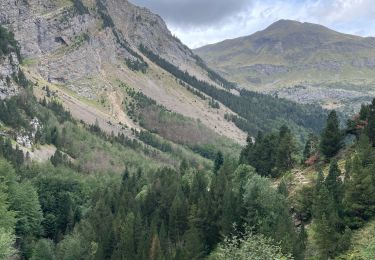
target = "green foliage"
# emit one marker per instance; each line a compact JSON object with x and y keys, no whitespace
{"x":21,"y":79}
{"x":7,"y":240}
{"x":15,"y":156}
{"x":80,"y":7}
{"x":7,"y":216}
{"x":359,"y":201}
{"x":7,"y":43}
{"x":219,"y":160}
{"x":44,"y":250}
{"x":249,"y":246}
{"x":311,"y":147}
{"x":362,"y":244}
{"x":24,"y":201}
{"x":325,"y":223}
{"x":61,"y":198}
{"x":74,"y":247}
{"x":154,"y":141}
{"x":370,"y":128}
{"x":136,"y":65}
{"x":214,"y":104}
{"x":271,"y":154}
{"x":267,"y":212}
{"x":103,"y":12}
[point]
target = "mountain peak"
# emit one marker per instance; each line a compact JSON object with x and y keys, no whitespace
{"x":284,"y":23}
{"x":285,"y":27}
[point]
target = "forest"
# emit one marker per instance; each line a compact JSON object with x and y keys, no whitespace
{"x":63,"y":210}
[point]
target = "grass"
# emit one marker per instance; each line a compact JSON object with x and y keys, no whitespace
{"x":363,"y":244}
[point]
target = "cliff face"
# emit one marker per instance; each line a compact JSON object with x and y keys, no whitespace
{"x":71,"y":43}
{"x":9,"y":67}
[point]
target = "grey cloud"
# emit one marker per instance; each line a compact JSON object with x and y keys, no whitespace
{"x":186,"y":13}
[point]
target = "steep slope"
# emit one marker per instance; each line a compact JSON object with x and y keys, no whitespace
{"x":290,"y":53}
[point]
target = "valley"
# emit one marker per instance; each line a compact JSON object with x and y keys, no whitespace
{"x":117,"y":141}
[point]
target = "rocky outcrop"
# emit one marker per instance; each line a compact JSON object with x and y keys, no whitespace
{"x":72,"y":46}
{"x":9,"y":68}
{"x":265,"y":69}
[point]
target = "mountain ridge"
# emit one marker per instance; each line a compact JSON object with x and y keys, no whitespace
{"x":289,"y":54}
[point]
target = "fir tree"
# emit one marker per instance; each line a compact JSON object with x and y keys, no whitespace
{"x":332,"y":138}
{"x":285,"y":150}
{"x":370,"y":128}
{"x":334,"y":183}
{"x":219,"y":160}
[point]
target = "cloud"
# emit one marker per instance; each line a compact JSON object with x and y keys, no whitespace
{"x":201,"y":22}
{"x":188,"y":13}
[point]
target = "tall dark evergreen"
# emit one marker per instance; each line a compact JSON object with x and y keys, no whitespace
{"x":370,"y":128}
{"x":326,"y":222}
{"x":334,"y":183}
{"x":285,"y":150}
{"x":219,"y":160}
{"x":359,"y":199}
{"x":332,"y":137}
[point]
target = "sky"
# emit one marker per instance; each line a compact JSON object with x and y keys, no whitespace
{"x":201,"y":22}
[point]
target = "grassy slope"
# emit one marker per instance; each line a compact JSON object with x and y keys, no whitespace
{"x":363,"y":244}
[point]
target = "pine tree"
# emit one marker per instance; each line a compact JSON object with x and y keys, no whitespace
{"x":325,"y":223}
{"x":370,"y":128}
{"x":334,"y":183}
{"x":219,"y":160}
{"x":194,"y":244}
{"x":228,"y":217}
{"x":178,"y":217}
{"x":359,"y":200}
{"x":332,"y":138}
{"x":285,"y":151}
{"x":311,"y":147}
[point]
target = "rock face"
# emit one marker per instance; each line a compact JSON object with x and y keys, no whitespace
{"x":90,"y":47}
{"x":71,"y":44}
{"x":9,"y":66}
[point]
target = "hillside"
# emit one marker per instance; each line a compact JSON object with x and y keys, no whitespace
{"x":304,"y":62}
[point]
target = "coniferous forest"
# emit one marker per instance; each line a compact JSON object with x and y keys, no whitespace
{"x":55,"y":210}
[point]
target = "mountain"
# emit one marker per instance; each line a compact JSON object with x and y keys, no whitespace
{"x":304,"y":62}
{"x":87,"y":48}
